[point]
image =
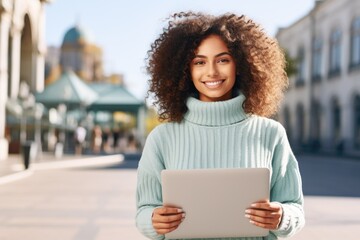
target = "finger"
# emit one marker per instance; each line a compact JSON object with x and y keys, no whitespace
{"x":270,"y":206}
{"x":263,"y":213}
{"x":264,"y":225}
{"x":168,"y":218}
{"x":167,"y":210}
{"x":267,"y":222}
{"x":169,"y":225}
{"x":264,"y":220}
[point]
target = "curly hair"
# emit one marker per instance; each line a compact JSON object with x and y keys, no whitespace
{"x":260,"y":62}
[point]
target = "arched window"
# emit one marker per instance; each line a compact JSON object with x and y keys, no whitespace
{"x":26,"y":51}
{"x":336,"y":120}
{"x":316,"y":60}
{"x":300,"y":79}
{"x":315,"y":125}
{"x":355,"y":43}
{"x":300,"y":124}
{"x":357,"y":121}
{"x":335,"y":53}
{"x":287,"y":122}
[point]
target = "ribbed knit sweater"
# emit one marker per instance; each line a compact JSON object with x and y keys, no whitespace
{"x":220,"y":135}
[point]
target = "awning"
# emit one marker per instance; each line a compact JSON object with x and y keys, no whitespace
{"x":114,"y":98}
{"x":68,"y":89}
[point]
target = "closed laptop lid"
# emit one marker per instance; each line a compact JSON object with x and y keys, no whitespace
{"x":215,"y":200}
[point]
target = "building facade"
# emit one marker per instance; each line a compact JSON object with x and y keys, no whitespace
{"x":22,"y":50}
{"x":80,"y":55}
{"x":321,"y":109}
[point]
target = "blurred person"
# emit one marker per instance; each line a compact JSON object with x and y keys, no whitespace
{"x":96,"y":139}
{"x":226,"y":78}
{"x":116,"y":136}
{"x":132,"y":144}
{"x":79,"y":136}
{"x":106,"y":139}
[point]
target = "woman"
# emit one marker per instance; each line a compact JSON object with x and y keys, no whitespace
{"x":216,"y":80}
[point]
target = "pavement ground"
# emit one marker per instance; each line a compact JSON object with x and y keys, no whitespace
{"x":98,"y":203}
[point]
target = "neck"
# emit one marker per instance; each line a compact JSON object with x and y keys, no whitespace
{"x":215,"y":113}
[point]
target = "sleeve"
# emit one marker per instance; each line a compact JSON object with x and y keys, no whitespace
{"x":148,"y":192}
{"x":286,"y":188}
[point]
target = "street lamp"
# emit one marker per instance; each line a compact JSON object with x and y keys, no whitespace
{"x":27,"y":101}
{"x":24,"y":93}
{"x":38,"y":113}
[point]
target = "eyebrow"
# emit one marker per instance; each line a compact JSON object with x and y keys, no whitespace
{"x":217,"y":55}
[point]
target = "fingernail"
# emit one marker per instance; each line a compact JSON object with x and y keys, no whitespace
{"x":183,"y":215}
{"x":179,"y":210}
{"x":247,"y":211}
{"x":252,"y":222}
{"x":253,"y":205}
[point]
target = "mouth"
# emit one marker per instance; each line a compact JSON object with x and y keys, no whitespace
{"x":213,"y":84}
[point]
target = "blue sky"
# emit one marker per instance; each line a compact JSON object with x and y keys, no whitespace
{"x":125,"y":29}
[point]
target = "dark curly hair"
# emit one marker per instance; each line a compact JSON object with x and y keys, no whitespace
{"x":260,"y":63}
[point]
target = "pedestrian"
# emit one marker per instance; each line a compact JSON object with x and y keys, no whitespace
{"x":79,"y":135}
{"x":116,"y":136}
{"x":217,"y":80}
{"x":106,"y":139}
{"x":96,"y":139}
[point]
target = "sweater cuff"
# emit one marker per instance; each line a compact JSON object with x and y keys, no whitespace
{"x":285,"y":220}
{"x":144,"y":224}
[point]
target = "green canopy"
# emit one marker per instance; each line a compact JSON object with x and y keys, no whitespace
{"x":68,"y":89}
{"x":114,"y":98}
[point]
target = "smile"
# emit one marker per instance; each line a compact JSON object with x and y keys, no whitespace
{"x":213,"y":83}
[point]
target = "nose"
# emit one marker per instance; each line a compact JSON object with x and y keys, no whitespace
{"x":212,"y":70}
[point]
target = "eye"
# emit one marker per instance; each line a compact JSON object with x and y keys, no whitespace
{"x":223,"y":60}
{"x":198,"y":62}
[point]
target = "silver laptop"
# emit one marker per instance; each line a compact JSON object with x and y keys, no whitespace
{"x":215,"y":200}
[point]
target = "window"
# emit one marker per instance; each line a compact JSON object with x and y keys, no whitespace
{"x":355,"y":44}
{"x":336,"y":120}
{"x":287,"y":122}
{"x":300,"y":79}
{"x":300,"y":124}
{"x":335,"y":53}
{"x":357,"y":121}
{"x":316,"y":60}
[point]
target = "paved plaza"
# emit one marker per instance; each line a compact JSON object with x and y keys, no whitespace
{"x":97,"y":202}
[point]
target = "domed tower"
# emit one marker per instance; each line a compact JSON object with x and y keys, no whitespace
{"x":79,"y":54}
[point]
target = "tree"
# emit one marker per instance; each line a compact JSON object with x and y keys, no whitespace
{"x":291,"y":64}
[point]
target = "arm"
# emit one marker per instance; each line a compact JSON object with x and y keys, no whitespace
{"x":284,"y":215}
{"x":286,"y":188}
{"x":152,"y":219}
{"x":148,"y":192}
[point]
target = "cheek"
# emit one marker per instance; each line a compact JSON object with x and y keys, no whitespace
{"x":194,"y":74}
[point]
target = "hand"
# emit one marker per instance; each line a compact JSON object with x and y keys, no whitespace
{"x":167,"y":219}
{"x":265,"y":214}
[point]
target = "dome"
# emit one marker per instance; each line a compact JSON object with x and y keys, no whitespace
{"x":76,"y":35}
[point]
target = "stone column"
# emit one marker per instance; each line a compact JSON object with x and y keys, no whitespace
{"x":38,"y":57}
{"x":5,"y":20}
{"x":15,"y":61}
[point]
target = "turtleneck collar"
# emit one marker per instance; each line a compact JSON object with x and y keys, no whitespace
{"x":215,"y":113}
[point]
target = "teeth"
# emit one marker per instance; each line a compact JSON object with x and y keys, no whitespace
{"x":213,"y":83}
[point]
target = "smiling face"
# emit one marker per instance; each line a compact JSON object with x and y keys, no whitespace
{"x":213,"y":70}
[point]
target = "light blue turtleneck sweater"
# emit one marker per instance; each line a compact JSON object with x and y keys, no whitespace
{"x":220,"y":135}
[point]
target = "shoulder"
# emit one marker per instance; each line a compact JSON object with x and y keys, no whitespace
{"x":269,"y":125}
{"x":161,"y":129}
{"x":161,"y":132}
{"x":267,"y":122}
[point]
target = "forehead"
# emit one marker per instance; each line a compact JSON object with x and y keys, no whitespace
{"x":212,"y":45}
